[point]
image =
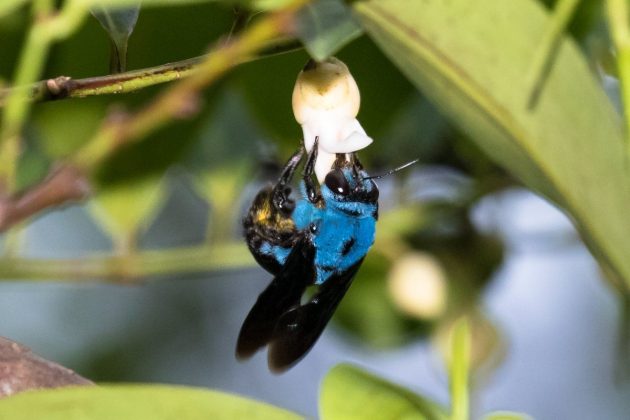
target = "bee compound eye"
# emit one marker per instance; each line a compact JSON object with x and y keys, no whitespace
{"x":337,"y":182}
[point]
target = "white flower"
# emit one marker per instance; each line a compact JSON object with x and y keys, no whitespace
{"x":326,"y":102}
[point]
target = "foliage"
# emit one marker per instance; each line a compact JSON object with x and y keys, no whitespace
{"x":119,"y":24}
{"x":136,"y":401}
{"x":516,"y":100}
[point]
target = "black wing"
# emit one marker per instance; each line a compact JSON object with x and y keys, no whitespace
{"x":282,"y":294}
{"x":298,"y":329}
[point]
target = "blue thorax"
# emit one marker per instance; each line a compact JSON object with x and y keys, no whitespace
{"x":342,"y":231}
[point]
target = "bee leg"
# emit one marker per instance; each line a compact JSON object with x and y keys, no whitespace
{"x":281,"y":190}
{"x":356,"y":166}
{"x":312,"y":189}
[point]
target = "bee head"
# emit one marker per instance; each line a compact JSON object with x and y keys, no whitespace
{"x":348,"y":182}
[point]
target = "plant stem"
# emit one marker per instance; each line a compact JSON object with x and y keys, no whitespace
{"x":64,"y":184}
{"x":460,"y":365}
{"x":63,"y":87}
{"x":43,"y":7}
{"x":548,"y":50}
{"x":44,"y":31}
{"x":180,"y":99}
{"x":129,"y":268}
{"x":620,"y":34}
{"x":8,"y":6}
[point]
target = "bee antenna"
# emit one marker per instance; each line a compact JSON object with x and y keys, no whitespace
{"x":393,"y":171}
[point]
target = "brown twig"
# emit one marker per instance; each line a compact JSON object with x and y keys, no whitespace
{"x":64,"y":184}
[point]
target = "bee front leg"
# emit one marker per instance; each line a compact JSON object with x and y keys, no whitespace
{"x":313,"y":192}
{"x":281,"y":190}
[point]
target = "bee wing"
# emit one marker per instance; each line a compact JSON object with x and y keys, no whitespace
{"x":298,"y":329}
{"x":283,"y":293}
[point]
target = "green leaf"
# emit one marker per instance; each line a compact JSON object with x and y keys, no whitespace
{"x":266,"y":4}
{"x":119,"y":24}
{"x":458,"y":369}
{"x":149,"y":3}
{"x":8,"y":6}
{"x":138,"y":402}
{"x":267,"y":86}
{"x":220,"y":187}
{"x":221,"y":160}
{"x":506,"y":415}
{"x":472,"y":59}
{"x":367,"y":311}
{"x":325,"y":26}
{"x":34,"y":164}
{"x":65,"y":135}
{"x":125,"y":209}
{"x":263,"y":5}
{"x":350,"y":393}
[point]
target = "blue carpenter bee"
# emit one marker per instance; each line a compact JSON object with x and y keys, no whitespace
{"x":320,"y":240}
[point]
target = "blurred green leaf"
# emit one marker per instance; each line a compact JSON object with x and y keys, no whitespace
{"x":325,"y":26}
{"x":350,"y":393}
{"x":458,"y":369}
{"x":417,"y":130}
{"x":8,"y":6}
{"x":147,"y":3}
{"x":266,"y":4}
{"x":469,"y":257}
{"x":137,"y":402}
{"x":587,"y":14}
{"x":570,"y":148}
{"x":506,"y":415}
{"x":225,"y":137}
{"x":220,"y":187}
{"x":368,"y":312}
{"x":125,"y":209}
{"x":254,"y":4}
{"x":401,"y":221}
{"x":119,"y":24}
{"x":487,"y":347}
{"x":34,"y":163}
{"x":64,"y":135}
{"x":385,"y":92}
{"x":221,"y":160}
{"x":267,"y":86}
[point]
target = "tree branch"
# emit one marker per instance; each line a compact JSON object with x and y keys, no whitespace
{"x":43,"y":33}
{"x":64,"y":184}
{"x":64,"y":87}
{"x":130,"y":268}
{"x":180,"y":100}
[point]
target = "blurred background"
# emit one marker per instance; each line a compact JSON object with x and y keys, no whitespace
{"x":457,"y":235}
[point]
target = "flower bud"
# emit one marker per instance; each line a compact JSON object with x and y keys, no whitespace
{"x":325,"y":86}
{"x":326,"y":102}
{"x":417,"y":285}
